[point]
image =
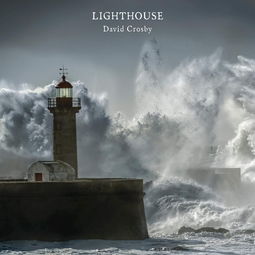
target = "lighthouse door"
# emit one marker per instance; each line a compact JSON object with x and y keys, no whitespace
{"x":38,"y":177}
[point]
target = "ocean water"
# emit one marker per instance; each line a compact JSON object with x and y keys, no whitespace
{"x":194,"y":244}
{"x":170,"y":205}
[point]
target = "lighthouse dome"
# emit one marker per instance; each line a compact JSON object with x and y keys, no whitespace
{"x":64,"y":83}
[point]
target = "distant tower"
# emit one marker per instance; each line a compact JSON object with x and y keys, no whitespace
{"x":64,"y":107}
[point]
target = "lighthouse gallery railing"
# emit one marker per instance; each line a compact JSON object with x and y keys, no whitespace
{"x":68,"y":101}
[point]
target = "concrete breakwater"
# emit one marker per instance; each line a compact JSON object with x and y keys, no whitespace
{"x":81,"y":209}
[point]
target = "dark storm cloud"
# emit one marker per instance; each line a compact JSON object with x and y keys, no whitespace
{"x":36,"y":37}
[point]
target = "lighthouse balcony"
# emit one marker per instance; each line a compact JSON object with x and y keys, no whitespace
{"x":56,"y":102}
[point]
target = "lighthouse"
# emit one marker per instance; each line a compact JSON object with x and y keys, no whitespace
{"x":64,"y":108}
{"x":62,"y":206}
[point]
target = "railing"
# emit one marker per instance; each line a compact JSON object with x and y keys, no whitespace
{"x":52,"y":102}
{"x":64,"y":102}
{"x":76,"y":102}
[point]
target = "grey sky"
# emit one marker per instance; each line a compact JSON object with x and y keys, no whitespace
{"x":36,"y":37}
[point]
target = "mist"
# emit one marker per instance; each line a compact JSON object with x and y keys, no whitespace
{"x":199,"y":114}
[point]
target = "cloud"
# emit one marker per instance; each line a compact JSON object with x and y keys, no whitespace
{"x":193,"y":116}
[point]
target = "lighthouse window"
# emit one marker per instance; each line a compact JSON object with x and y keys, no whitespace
{"x":64,"y":92}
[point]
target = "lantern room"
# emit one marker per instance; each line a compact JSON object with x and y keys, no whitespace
{"x":63,"y":96}
{"x":64,"y":89}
